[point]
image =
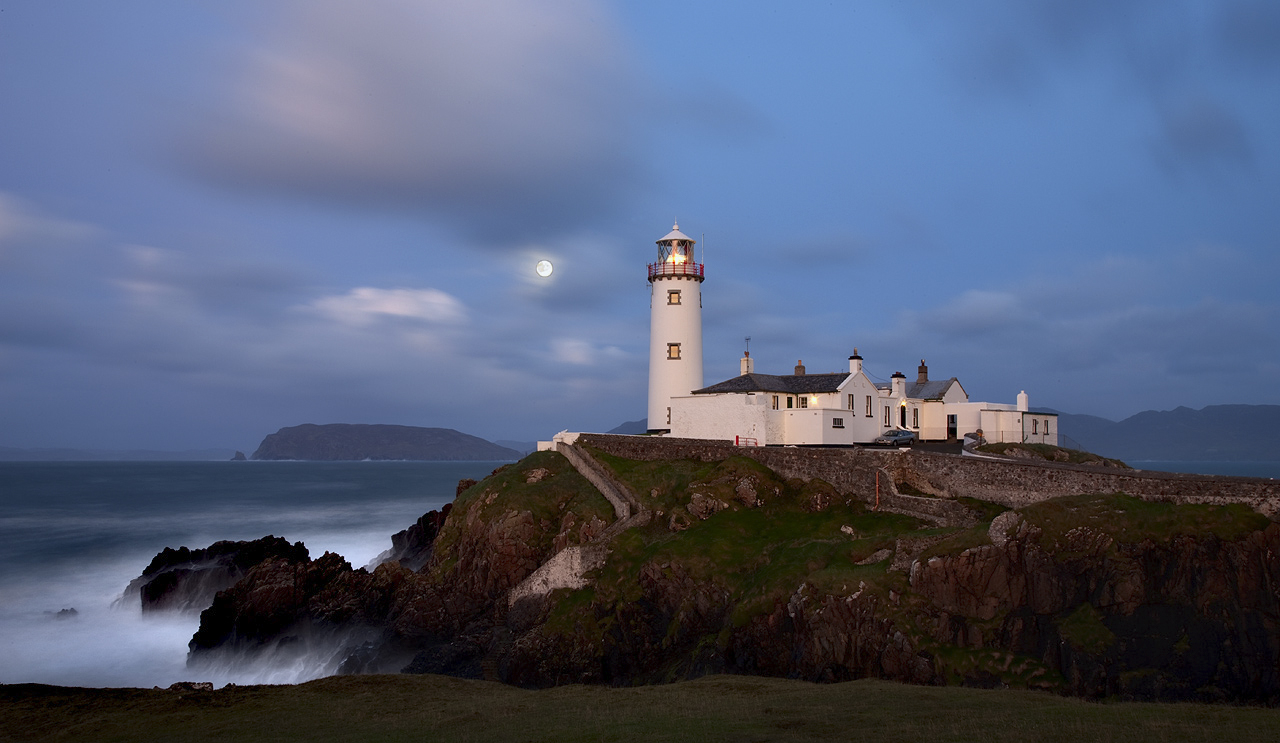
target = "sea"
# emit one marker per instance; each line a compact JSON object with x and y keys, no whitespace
{"x":73,"y":534}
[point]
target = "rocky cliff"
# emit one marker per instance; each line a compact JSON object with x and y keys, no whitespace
{"x":740,"y":570}
{"x":344,"y":441}
{"x":187,"y":580}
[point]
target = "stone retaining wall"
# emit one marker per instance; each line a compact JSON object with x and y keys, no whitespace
{"x":1009,"y":482}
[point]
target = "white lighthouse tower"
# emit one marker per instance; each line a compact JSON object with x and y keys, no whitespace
{"x":675,"y":326}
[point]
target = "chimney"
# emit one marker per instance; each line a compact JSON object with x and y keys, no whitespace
{"x":748,"y":365}
{"x":855,"y":362}
{"x":1024,"y":402}
{"x":898,"y":384}
{"x":799,"y":368}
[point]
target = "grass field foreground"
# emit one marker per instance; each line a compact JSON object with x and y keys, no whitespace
{"x":714,"y":708}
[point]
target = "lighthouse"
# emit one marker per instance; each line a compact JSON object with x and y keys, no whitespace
{"x":675,"y":326}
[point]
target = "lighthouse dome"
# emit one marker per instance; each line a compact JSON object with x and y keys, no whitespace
{"x":676,"y":234}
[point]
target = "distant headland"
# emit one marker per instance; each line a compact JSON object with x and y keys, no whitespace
{"x":356,"y":442}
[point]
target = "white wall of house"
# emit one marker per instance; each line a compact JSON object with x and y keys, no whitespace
{"x":721,"y":416}
{"x":1002,"y":426}
{"x":933,"y":421}
{"x":860,"y":427}
{"x":817,"y":427}
{"x":1040,"y":428}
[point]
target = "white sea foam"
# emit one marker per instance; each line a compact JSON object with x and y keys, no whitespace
{"x":79,"y":553}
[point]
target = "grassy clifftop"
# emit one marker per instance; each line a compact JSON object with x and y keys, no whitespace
{"x":739,"y":570}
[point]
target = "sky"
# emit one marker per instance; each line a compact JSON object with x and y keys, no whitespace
{"x":221,"y":218}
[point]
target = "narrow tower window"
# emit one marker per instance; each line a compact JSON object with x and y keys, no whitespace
{"x":673,"y":296}
{"x":673,"y":350}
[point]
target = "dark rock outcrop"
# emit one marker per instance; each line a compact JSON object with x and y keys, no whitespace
{"x":412,"y":547}
{"x":439,"y":619}
{"x":356,"y":442}
{"x":187,"y":580}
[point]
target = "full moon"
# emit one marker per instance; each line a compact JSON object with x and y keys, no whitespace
{"x":543,"y":268}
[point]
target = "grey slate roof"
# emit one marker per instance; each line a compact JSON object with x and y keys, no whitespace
{"x":795,"y":384}
{"x":934,"y":389}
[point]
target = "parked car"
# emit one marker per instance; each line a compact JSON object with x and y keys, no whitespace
{"x":895,"y":437}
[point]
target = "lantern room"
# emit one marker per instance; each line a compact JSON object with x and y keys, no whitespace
{"x":675,"y":256}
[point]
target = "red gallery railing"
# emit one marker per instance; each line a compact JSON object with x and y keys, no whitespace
{"x":675,"y":269}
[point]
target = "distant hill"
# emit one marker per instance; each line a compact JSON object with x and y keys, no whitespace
{"x":354,"y":441}
{"x":632,"y":427}
{"x":1217,"y":433}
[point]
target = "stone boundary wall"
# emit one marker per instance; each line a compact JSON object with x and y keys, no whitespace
{"x":850,"y":471}
{"x":600,"y":480}
{"x":1008,"y":482}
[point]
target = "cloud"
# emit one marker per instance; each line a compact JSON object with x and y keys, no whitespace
{"x":21,"y":223}
{"x":504,"y":118}
{"x":1204,"y":132}
{"x":975,"y":313}
{"x":118,"y":342}
{"x":1168,"y":57}
{"x":582,"y":352}
{"x":365,"y":305}
{"x":1248,"y":32}
{"x":170,"y":278}
{"x":1115,"y":334}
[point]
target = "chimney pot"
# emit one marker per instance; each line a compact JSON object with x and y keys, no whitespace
{"x":799,"y":368}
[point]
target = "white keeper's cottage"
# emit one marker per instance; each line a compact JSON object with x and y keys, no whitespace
{"x":799,"y":409}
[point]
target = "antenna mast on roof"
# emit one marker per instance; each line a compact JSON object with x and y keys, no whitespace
{"x":748,"y":345}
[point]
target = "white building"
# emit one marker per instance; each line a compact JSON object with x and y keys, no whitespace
{"x":798,"y":409}
{"x":848,"y":408}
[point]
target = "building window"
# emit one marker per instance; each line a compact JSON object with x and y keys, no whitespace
{"x":668,"y":416}
{"x":673,"y":350}
{"x":915,"y":417}
{"x":788,"y":402}
{"x":1046,"y":426}
{"x":851,"y":402}
{"x":837,"y":422}
{"x":775,"y":402}
{"x":886,"y":415}
{"x":804,"y":401}
{"x":868,"y":406}
{"x":1035,"y":425}
{"x":673,"y":296}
